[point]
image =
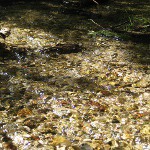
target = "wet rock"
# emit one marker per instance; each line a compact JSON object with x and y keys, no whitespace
{"x":5,"y":32}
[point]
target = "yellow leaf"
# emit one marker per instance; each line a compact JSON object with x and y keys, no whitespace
{"x":60,"y":140}
{"x":146,"y":130}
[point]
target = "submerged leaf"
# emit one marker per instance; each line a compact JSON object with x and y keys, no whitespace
{"x":60,"y":140}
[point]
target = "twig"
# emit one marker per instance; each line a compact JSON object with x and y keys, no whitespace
{"x":95,"y":2}
{"x":111,"y":27}
{"x":96,"y":23}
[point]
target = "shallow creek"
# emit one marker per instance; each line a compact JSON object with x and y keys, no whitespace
{"x":95,"y":99}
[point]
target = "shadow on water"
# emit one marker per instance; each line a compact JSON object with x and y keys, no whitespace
{"x":69,"y":18}
{"x":63,"y":19}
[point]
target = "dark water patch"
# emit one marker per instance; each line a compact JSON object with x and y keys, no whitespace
{"x":36,"y":77}
{"x":63,"y":49}
{"x":7,"y":52}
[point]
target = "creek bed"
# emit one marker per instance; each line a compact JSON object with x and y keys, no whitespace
{"x":96,"y":98}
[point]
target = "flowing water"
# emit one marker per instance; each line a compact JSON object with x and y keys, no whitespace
{"x":96,"y":98}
